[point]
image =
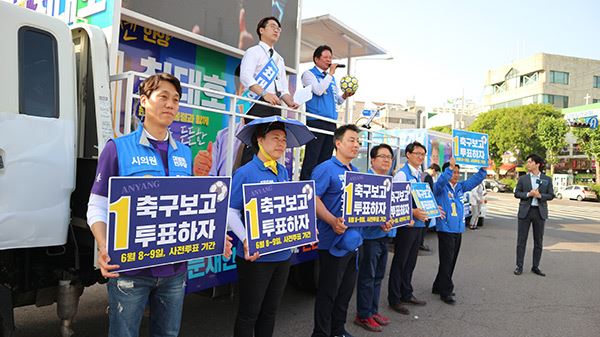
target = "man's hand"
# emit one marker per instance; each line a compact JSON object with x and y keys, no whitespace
{"x":247,"y":256}
{"x":272,"y":98}
{"x":420,"y":214}
{"x":332,"y":68}
{"x":203,"y":161}
{"x":452,"y":163}
{"x":339,"y":227}
{"x":346,"y":94}
{"x":105,"y":267}
{"x":228,"y":246}
{"x":534,"y":193}
{"x":387,"y":226}
{"x":442,"y":212}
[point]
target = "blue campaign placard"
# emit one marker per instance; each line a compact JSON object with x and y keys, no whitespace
{"x":424,"y":199}
{"x":366,"y":199}
{"x":279,"y":216}
{"x":162,"y":220}
{"x":470,"y":148}
{"x":401,"y":204}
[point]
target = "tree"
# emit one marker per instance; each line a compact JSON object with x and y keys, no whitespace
{"x":443,"y":129}
{"x":514,"y":129}
{"x":589,"y":142}
{"x":551,"y":132}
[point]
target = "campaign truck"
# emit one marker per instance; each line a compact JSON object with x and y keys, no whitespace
{"x":70,"y":70}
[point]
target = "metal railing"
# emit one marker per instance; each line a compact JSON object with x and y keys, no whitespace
{"x":124,"y":112}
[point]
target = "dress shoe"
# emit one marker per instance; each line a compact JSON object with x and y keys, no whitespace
{"x":345,"y":334}
{"x":537,"y":271}
{"x":399,"y":308}
{"x":382,"y":320}
{"x":413,"y":300}
{"x":448,"y":299}
{"x":518,"y":271}
{"x":424,"y":248}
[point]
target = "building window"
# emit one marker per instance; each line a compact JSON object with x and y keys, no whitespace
{"x":408,"y":121}
{"x":528,"y":79}
{"x":556,"y":100}
{"x":595,"y":100}
{"x":596,"y":81}
{"x":38,"y":73}
{"x":559,"y":77}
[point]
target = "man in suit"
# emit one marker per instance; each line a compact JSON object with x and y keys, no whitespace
{"x":534,"y":190}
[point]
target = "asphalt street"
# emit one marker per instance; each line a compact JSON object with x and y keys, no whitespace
{"x":491,"y":301}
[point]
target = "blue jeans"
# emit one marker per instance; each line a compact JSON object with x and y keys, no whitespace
{"x":127,"y":299}
{"x":370,"y":274}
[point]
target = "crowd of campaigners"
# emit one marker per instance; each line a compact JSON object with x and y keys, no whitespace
{"x":349,"y":257}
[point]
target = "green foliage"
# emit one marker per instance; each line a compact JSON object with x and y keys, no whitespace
{"x":509,"y":182}
{"x":551,"y":132}
{"x":595,"y":188}
{"x":589,"y":142}
{"x":516,"y":128}
{"x":444,"y":129}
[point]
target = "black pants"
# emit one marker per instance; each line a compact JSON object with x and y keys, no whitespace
{"x":337,"y":278}
{"x":533,"y":218}
{"x":260,"y":111}
{"x":317,"y":150}
{"x":261,"y":287}
{"x":448,"y":248}
{"x":406,"y":249}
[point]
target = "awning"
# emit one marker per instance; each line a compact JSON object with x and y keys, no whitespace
{"x":505,"y":167}
{"x":345,"y":42}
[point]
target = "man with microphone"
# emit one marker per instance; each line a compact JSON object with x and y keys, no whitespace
{"x":326,"y":96}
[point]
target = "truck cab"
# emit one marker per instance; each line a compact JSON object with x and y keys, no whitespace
{"x":55,"y":99}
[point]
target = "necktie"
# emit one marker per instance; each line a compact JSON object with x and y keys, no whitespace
{"x":271,"y":51}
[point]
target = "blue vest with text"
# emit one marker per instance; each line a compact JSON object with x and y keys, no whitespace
{"x":324,"y":105}
{"x":137,"y":157}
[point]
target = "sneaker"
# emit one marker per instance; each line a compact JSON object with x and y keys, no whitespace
{"x":381,"y":320}
{"x":368,"y":324}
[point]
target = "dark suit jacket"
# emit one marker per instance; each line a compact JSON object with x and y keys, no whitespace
{"x":546,"y":191}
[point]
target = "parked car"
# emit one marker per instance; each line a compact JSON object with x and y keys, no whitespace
{"x":495,"y":185}
{"x":579,"y":192}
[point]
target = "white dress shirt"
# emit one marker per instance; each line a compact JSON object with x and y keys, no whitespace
{"x":254,"y":61}
{"x":320,"y":88}
{"x":534,"y":185}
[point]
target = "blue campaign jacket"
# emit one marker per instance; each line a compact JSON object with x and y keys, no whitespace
{"x":324,"y":105}
{"x":445,"y":196}
{"x":137,"y":157}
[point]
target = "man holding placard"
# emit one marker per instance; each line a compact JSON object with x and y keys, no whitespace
{"x":148,"y":151}
{"x":408,"y":239}
{"x":448,"y":193}
{"x":337,"y":244}
{"x":373,"y":262}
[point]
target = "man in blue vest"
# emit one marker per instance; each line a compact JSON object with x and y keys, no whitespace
{"x":448,"y":193}
{"x":148,"y":151}
{"x":408,"y":238}
{"x":326,"y":96}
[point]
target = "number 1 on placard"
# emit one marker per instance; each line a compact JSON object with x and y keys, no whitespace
{"x":121,"y":210}
{"x":252,"y":208}
{"x":349,"y":190}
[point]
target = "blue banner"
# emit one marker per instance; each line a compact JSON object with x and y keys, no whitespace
{"x":401,"y":204}
{"x":162,"y":220}
{"x":471,"y":148}
{"x":279,"y":216}
{"x":366,"y":199}
{"x":424,"y":199}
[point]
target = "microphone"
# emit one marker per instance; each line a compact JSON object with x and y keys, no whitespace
{"x":341,"y":66}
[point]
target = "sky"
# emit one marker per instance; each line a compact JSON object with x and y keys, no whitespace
{"x":442,"y":49}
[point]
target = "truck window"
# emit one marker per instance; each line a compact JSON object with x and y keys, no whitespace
{"x":38,"y":73}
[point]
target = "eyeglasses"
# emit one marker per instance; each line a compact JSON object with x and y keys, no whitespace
{"x":274,"y":27}
{"x":384,"y":156}
{"x":420,"y":154}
